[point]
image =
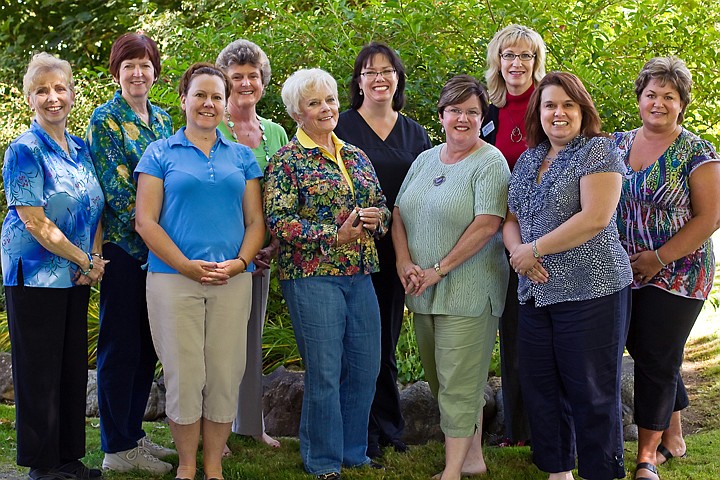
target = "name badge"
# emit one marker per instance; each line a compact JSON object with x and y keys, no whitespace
{"x":488,"y":128}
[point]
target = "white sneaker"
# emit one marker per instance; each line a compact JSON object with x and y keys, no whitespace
{"x":155,"y":450}
{"x":135,"y":459}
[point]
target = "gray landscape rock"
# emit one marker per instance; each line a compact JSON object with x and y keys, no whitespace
{"x":7,"y":389}
{"x":282,"y":402}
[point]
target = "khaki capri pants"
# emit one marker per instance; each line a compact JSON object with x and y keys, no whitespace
{"x":455,"y":352}
{"x":199,"y":335}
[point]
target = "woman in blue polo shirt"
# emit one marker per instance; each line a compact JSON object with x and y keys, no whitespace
{"x":199,"y":212}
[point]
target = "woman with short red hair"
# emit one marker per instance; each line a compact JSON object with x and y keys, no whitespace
{"x":118,"y":134}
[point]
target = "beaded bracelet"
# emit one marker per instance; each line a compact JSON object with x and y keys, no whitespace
{"x":90,"y":267}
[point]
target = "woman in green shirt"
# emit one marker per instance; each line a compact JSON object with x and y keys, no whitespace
{"x":249,"y":71}
{"x":451,"y":261}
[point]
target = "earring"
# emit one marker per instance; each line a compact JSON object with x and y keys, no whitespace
{"x":361,"y":92}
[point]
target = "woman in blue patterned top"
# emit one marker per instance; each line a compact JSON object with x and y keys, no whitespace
{"x":50,"y":255}
{"x":118,"y":134}
{"x":573,"y":286}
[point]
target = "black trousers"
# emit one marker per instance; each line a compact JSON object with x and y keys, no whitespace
{"x":517,"y":427}
{"x":659,"y":327}
{"x":126,"y":355}
{"x":386,"y":421}
{"x":570,"y":363}
{"x":48,"y":337}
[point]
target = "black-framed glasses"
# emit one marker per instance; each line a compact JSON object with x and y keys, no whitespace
{"x":385,"y":74}
{"x":510,"y":57}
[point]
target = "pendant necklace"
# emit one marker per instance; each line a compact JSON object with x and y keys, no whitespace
{"x":263,"y":141}
{"x":515,"y":134}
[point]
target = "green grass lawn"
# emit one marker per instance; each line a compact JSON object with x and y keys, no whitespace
{"x":251,"y":460}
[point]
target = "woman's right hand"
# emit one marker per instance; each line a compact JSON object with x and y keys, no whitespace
{"x":93,"y":276}
{"x":347,"y":232}
{"x":207,"y":273}
{"x":411,"y":276}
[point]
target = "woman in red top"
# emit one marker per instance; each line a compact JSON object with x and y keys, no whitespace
{"x":516,"y":63}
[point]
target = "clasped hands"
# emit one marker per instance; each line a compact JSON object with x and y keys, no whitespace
{"x":524,"y":263}
{"x":644,"y":266}
{"x":415,"y":280}
{"x":213,"y":273}
{"x":93,"y":276}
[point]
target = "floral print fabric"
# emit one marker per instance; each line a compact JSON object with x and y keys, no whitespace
{"x":307,"y":199}
{"x":654,"y":206}
{"x":38,"y":173}
{"x":117,"y":138}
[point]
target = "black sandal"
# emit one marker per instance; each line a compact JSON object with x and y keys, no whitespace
{"x":646,"y":466}
{"x":662,"y":450}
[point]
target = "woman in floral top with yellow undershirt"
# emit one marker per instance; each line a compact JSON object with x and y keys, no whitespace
{"x":324,"y":204}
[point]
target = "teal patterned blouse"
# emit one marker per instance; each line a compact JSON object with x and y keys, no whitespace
{"x":38,"y":173}
{"x":117,"y":138}
{"x":306,"y":200}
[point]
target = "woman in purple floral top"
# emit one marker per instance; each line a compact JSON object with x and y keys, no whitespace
{"x":667,"y":211}
{"x":324,"y":204}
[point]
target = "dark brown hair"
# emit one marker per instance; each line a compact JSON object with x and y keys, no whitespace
{"x":134,"y":45}
{"x":574,"y":88}
{"x":365,"y":55}
{"x":666,"y":70}
{"x":203,"y":68}
{"x":458,"y":89}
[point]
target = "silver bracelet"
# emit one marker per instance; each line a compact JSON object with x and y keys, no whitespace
{"x":657,"y":255}
{"x":534,"y":249}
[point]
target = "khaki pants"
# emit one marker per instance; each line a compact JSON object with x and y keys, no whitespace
{"x":199,"y":334}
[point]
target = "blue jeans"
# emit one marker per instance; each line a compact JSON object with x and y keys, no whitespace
{"x":337,"y":328}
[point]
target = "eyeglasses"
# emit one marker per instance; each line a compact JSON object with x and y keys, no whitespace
{"x":510,"y":57}
{"x":373,"y":75}
{"x":456,"y":112}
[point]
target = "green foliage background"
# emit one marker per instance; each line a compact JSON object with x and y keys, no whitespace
{"x":605,"y":42}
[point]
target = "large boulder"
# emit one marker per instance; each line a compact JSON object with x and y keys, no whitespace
{"x":422,"y":417}
{"x":282,"y":402}
{"x":7,"y":388}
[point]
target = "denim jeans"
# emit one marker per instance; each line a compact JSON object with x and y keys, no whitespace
{"x":336,"y":320}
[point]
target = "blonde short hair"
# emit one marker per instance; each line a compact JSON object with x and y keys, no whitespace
{"x":508,"y":37}
{"x":300,"y":83}
{"x":43,"y":63}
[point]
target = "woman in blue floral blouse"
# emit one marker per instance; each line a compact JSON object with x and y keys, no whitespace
{"x":574,"y":282}
{"x":118,"y":134}
{"x":50,"y":255}
{"x":323,"y":202}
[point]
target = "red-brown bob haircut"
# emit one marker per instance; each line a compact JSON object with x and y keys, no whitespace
{"x":134,"y":45}
{"x":574,"y":88}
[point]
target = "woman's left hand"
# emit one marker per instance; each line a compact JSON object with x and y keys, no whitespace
{"x":645,"y":266}
{"x":429,"y":278}
{"x":524,"y":263}
{"x":370,"y":218}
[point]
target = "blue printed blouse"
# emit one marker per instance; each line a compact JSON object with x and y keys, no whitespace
{"x":38,"y":173}
{"x":598,"y":267}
